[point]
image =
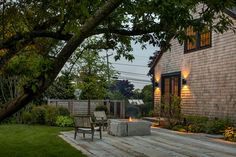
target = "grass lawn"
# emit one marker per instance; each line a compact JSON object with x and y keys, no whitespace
{"x":34,"y":141}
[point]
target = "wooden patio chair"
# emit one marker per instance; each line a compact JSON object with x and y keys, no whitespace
{"x":100,"y":118}
{"x":84,"y":124}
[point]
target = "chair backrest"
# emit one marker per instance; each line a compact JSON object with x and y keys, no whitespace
{"x":82,"y":121}
{"x":100,"y":115}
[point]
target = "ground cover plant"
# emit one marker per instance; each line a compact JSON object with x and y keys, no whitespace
{"x":199,"y":124}
{"x":230,"y":134}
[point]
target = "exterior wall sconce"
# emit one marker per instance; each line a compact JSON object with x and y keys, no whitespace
{"x":184,"y":82}
{"x":156,"y":84}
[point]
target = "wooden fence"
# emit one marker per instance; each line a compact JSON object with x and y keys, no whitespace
{"x":116,"y":108}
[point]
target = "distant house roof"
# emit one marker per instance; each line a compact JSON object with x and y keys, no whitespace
{"x":136,"y":101}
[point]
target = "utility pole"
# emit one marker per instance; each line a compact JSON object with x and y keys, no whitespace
{"x":108,"y":68}
{"x":107,"y":103}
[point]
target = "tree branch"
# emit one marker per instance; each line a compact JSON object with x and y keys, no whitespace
{"x":124,"y":32}
{"x":132,"y":32}
{"x":31,"y":35}
{"x":24,"y":40}
{"x":27,"y":95}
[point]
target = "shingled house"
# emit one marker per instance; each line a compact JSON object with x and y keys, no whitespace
{"x":202,"y":73}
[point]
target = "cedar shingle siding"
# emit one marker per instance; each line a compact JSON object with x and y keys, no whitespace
{"x":211,"y":76}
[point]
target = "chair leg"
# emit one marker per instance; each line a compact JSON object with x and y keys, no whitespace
{"x":75,"y":133}
{"x":92,"y":135}
{"x":83,"y":135}
{"x":100,"y":133}
{"x":103,"y":126}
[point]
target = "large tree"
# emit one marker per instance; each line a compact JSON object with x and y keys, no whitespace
{"x":124,"y":87}
{"x":93,"y":76}
{"x":52,"y":30}
{"x":61,"y":88}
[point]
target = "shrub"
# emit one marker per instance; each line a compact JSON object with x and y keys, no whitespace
{"x":26,"y":117}
{"x":230,"y":134}
{"x":196,"y":119}
{"x":150,"y":113}
{"x":63,"y":111}
{"x":172,"y":110}
{"x":217,"y":126}
{"x":179,"y":128}
{"x":101,"y":108}
{"x":38,"y":114}
{"x":196,"y":127}
{"x":205,"y":125}
{"x":9,"y":120}
{"x":64,"y":121}
{"x":51,"y":115}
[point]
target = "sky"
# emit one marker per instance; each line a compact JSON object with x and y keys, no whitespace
{"x":135,"y":71}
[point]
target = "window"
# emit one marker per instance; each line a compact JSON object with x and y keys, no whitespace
{"x":198,"y":40}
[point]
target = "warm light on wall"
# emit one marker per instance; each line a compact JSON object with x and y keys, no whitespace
{"x":157,"y":92}
{"x":185,"y":69}
{"x":157,"y":76}
{"x":185,"y":73}
{"x":185,"y":92}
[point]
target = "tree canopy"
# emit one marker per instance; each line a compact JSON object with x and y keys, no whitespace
{"x":61,"y":88}
{"x":124,"y":87}
{"x":92,"y":77}
{"x":38,"y":37}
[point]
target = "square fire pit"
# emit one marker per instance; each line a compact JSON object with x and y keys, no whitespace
{"x":124,"y":127}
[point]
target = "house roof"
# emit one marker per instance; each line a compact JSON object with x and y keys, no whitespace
{"x":158,"y":54}
{"x":231,"y":12}
{"x":154,"y":61}
{"x":136,"y":101}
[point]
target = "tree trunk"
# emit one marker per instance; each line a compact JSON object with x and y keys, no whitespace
{"x":27,"y":95}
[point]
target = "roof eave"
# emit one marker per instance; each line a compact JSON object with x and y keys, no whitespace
{"x":151,"y":71}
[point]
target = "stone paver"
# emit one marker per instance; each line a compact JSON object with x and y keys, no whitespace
{"x":161,"y":143}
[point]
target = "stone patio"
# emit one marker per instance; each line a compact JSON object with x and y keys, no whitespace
{"x":161,"y":143}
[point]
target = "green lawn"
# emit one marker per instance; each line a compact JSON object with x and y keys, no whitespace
{"x":34,"y":141}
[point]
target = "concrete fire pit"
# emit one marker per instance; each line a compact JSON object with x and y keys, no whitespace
{"x":124,"y":127}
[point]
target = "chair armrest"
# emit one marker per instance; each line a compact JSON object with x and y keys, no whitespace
{"x":96,"y":123}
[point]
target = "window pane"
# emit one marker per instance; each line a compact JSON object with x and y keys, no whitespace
{"x":191,"y":44}
{"x":205,"y":39}
{"x":175,"y":87}
{"x":167,"y":90}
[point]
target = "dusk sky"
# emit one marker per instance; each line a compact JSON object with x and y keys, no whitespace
{"x":135,"y":71}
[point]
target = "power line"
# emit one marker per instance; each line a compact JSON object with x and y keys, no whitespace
{"x":131,"y":73}
{"x":137,"y":82}
{"x":134,"y":79}
{"x":141,"y":56}
{"x":136,"y":65}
